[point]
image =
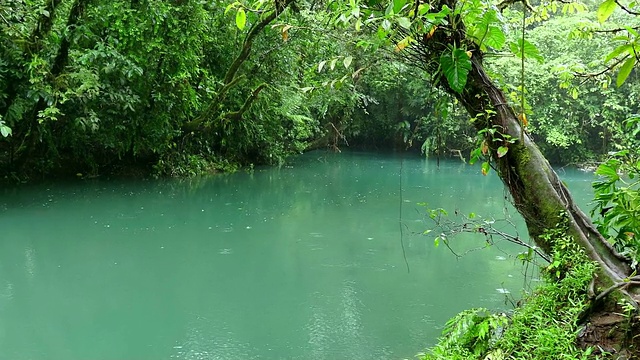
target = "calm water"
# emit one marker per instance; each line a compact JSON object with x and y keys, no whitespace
{"x":301,"y":262}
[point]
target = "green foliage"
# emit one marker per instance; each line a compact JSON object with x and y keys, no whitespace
{"x":573,"y":120}
{"x":544,"y":327}
{"x":617,"y":202}
{"x":468,"y":335}
{"x":455,"y":67}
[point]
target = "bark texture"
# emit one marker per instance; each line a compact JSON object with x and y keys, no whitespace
{"x":537,"y":192}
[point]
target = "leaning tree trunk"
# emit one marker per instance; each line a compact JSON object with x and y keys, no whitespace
{"x":537,"y":193}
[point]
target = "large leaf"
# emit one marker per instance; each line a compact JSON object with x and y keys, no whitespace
{"x":455,"y":66}
{"x":495,"y":37}
{"x":605,"y":10}
{"x":530,"y":50}
{"x":625,"y":70}
{"x":241,"y":18}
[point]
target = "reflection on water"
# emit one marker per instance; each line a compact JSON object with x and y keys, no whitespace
{"x":301,"y":262}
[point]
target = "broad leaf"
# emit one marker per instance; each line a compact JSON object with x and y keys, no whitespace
{"x":332,"y":64}
{"x":530,"y":51}
{"x":347,"y":61}
{"x":455,"y":67}
{"x":625,"y":70}
{"x":608,"y":172}
{"x":495,"y":37}
{"x":605,"y":10}
{"x":241,"y":19}
{"x":404,"y":22}
{"x":398,"y":5}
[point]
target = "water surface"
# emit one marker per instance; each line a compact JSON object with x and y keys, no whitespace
{"x":304,"y":261}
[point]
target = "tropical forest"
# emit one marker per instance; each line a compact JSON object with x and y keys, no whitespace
{"x":319,"y":179}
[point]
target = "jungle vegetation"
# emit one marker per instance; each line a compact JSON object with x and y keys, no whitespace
{"x":184,"y":87}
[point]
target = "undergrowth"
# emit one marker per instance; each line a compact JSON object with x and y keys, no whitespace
{"x":543,"y":327}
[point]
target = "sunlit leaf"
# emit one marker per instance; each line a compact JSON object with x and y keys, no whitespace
{"x":625,"y":70}
{"x":5,"y":130}
{"x":229,"y":7}
{"x":495,"y":37}
{"x":241,"y":18}
{"x":398,"y":5}
{"x":530,"y":51}
{"x":386,"y":24}
{"x":625,"y":48}
{"x":608,"y":172}
{"x":605,"y":10}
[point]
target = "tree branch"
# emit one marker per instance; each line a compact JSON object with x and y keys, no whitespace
{"x":626,"y":9}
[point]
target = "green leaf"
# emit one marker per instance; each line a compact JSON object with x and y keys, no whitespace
{"x":404,"y":22}
{"x":502,"y":151}
{"x":607,"y":171}
{"x":229,"y":7}
{"x":321,"y":65}
{"x":398,"y":5}
{"x":625,"y":70}
{"x":605,"y":10}
{"x":332,"y":64}
{"x":455,"y":67}
{"x":241,"y":19}
{"x":347,"y":61}
{"x":5,"y":130}
{"x":485,"y":168}
{"x":619,"y":50}
{"x":386,"y":25}
{"x":530,"y":51}
{"x":495,"y":37}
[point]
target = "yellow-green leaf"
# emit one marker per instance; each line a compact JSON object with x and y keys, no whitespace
{"x":241,"y":19}
{"x":605,"y":10}
{"x":625,"y":70}
{"x":485,"y":168}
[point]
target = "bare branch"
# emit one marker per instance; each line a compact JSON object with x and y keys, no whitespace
{"x":626,"y":9}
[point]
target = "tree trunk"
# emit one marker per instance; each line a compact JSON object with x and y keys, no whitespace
{"x":538,"y":194}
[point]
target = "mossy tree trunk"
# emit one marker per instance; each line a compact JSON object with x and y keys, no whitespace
{"x":537,"y":193}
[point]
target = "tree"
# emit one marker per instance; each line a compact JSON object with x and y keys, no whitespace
{"x":450,"y":40}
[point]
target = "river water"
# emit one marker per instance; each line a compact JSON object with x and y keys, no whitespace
{"x":305,"y":261}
